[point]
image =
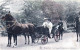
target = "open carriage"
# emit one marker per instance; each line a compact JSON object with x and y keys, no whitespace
{"x":42,"y":33}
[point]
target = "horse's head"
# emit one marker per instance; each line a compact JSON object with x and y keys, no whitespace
{"x":7,"y":17}
{"x":7,"y":20}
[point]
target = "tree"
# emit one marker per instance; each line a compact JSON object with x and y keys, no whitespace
{"x":52,"y":10}
{"x":2,"y":6}
{"x":32,"y":11}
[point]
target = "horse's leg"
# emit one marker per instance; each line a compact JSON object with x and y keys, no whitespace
{"x":61,"y":35}
{"x":8,"y":40}
{"x":25,"y":38}
{"x":28,"y":39}
{"x":32,"y":37}
{"x":77,"y":37}
{"x":16,"y":40}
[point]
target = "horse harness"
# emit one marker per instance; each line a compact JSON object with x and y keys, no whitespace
{"x":9,"y":26}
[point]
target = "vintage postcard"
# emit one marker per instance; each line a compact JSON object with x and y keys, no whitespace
{"x":39,"y":24}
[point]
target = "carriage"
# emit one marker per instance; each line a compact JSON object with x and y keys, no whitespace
{"x":43,"y":38}
{"x":42,"y":33}
{"x":14,"y":28}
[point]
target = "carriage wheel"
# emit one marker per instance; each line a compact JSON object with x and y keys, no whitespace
{"x":44,"y":40}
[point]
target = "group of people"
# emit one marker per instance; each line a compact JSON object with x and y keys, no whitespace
{"x":47,"y":23}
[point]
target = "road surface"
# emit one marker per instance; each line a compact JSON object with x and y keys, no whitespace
{"x":67,"y":43}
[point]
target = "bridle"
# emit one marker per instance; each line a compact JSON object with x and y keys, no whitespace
{"x":9,"y":26}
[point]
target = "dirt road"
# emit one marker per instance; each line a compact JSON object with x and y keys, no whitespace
{"x":67,"y":43}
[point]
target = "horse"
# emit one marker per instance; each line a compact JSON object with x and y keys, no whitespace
{"x":77,"y":27}
{"x":15,"y":28}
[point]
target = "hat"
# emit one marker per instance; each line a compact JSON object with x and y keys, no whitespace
{"x":45,"y":18}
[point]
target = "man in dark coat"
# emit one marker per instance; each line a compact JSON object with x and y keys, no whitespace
{"x":60,"y":29}
{"x":77,"y":22}
{"x":77,"y":26}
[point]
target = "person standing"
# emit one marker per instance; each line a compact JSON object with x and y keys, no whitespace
{"x":60,"y":29}
{"x":76,"y":26}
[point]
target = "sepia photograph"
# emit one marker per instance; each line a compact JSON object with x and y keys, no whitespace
{"x":39,"y":24}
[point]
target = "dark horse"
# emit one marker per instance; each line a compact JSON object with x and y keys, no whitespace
{"x":15,"y":28}
{"x":77,"y":27}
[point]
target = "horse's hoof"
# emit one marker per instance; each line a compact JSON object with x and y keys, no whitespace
{"x":33,"y":43}
{"x":28,"y":43}
{"x":77,"y":40}
{"x":25,"y":43}
{"x":8,"y":45}
{"x":14,"y":46}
